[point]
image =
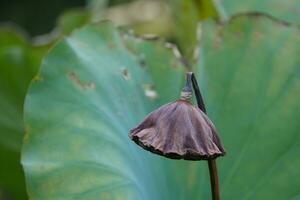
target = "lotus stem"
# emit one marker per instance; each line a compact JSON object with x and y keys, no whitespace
{"x":212,"y":165}
{"x":214,"y":181}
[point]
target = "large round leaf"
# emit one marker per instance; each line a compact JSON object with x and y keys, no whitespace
{"x":89,"y":93}
{"x":251,"y":81}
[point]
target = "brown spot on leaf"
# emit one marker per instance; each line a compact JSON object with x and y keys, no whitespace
{"x":125,"y":74}
{"x":142,"y":60}
{"x":37,"y":78}
{"x":258,"y":35}
{"x":217,"y":38}
{"x":174,"y":63}
{"x":111,"y":45}
{"x":26,"y":134}
{"x":238,"y":34}
{"x":82,"y":84}
{"x":216,"y":42}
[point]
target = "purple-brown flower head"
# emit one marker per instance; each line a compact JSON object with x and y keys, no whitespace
{"x":179,"y":130}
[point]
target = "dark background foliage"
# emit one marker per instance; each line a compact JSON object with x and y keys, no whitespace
{"x":35,"y":16}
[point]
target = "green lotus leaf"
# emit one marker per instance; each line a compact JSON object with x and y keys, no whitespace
{"x":90,"y":92}
{"x":250,"y":78}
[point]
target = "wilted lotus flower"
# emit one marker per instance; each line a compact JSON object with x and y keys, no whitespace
{"x":178,"y":130}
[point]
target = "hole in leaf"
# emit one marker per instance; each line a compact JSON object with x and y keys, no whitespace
{"x":150,"y":92}
{"x":84,"y":85}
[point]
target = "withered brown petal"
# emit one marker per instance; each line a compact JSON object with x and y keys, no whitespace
{"x":178,"y":130}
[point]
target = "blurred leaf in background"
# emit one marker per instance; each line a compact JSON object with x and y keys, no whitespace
{"x":285,"y":10}
{"x":143,"y":16}
{"x":72,"y":19}
{"x":35,"y":16}
{"x":19,"y":61}
{"x":250,"y":78}
{"x":185,"y":18}
{"x":175,"y":20}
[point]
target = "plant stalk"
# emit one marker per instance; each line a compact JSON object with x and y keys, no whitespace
{"x":212,"y":165}
{"x":214,"y":181}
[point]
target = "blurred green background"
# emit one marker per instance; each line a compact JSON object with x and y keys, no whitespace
{"x":36,"y":17}
{"x":28,"y":29}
